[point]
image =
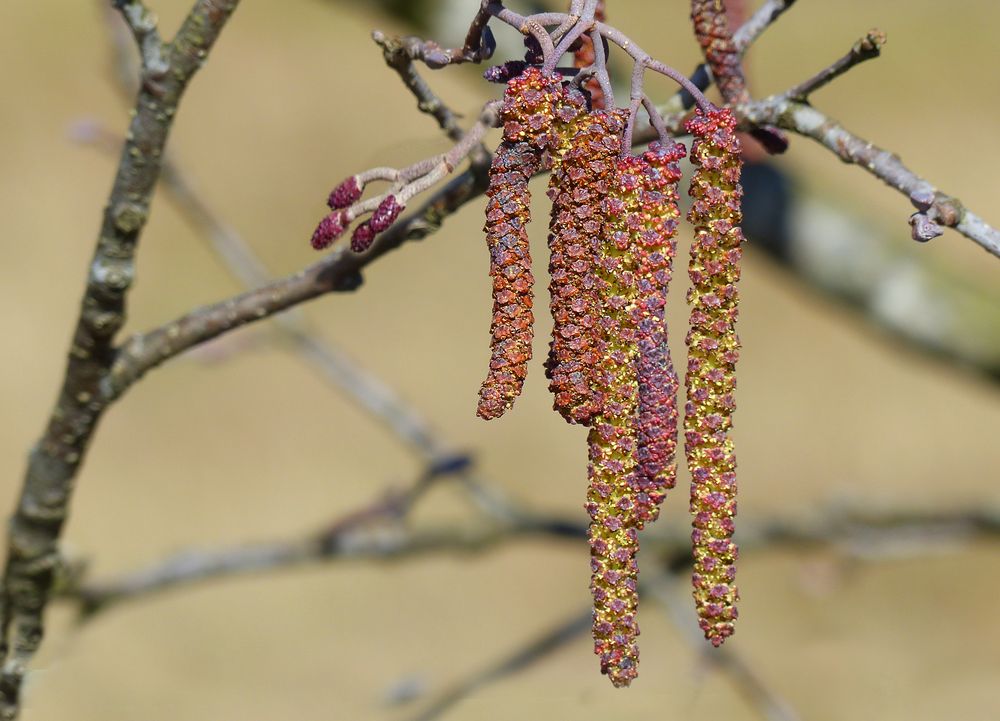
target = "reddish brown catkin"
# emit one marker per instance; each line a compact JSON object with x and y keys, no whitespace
{"x":655,"y":246}
{"x":527,"y":114}
{"x":713,"y":349}
{"x":711,"y":29}
{"x":611,"y":497}
{"x":577,"y":186}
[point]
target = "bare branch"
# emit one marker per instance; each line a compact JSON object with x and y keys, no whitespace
{"x":946,"y":210}
{"x":867,"y":48}
{"x":399,"y":54}
{"x":337,"y":272}
{"x":760,"y":21}
{"x":534,"y":651}
{"x":142,"y":22}
{"x":390,"y":543}
{"x":53,"y":464}
{"x":331,"y":361}
{"x":377,"y":532}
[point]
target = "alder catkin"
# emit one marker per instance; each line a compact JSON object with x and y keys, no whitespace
{"x":655,"y":246}
{"x":582,"y":161}
{"x":713,"y":349}
{"x":527,"y":114}
{"x":724,"y":60}
{"x":711,"y":30}
{"x":612,"y":441}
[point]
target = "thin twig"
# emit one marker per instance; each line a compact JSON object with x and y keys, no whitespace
{"x":867,"y":48}
{"x":368,"y":391}
{"x":337,"y":272}
{"x":946,"y":210}
{"x":399,"y":54}
{"x":761,"y":20}
{"x":769,"y":705}
{"x":142,"y":22}
{"x":860,"y":533}
{"x":535,"y":650}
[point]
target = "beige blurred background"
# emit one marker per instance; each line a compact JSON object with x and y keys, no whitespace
{"x":254,"y":444}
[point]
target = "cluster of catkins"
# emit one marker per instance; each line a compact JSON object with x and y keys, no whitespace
{"x":612,"y":241}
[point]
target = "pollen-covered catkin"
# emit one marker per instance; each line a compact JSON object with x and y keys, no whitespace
{"x":713,"y":349}
{"x":612,"y":441}
{"x":527,"y":114}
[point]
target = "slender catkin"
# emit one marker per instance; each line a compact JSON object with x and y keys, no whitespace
{"x":713,"y":349}
{"x":654,"y":249}
{"x":612,"y":441}
{"x":585,"y":150}
{"x":711,"y":29}
{"x":527,"y":114}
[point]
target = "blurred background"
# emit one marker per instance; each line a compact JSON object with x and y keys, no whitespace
{"x":840,"y":405}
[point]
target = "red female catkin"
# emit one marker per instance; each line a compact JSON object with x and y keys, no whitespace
{"x":713,"y":348}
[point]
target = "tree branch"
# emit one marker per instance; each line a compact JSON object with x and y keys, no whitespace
{"x":806,"y":120}
{"x":142,"y":23}
{"x":536,"y":649}
{"x":339,"y":271}
{"x":760,"y":21}
{"x":378,"y":532}
{"x":54,"y":462}
{"x":673,"y":593}
{"x":867,"y":48}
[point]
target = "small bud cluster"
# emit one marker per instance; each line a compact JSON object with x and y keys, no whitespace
{"x":713,"y":349}
{"x":384,"y":216}
{"x":341,"y":201}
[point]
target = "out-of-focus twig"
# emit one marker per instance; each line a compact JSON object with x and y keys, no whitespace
{"x":863,"y":533}
{"x":530,"y":653}
{"x":759,"y":696}
{"x":760,"y":21}
{"x":895,"y":289}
